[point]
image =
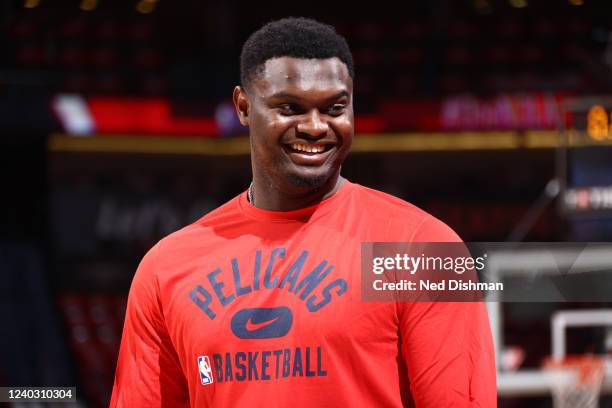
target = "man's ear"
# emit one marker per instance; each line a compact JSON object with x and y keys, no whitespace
{"x":242,"y":105}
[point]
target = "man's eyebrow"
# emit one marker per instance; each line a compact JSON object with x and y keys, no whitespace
{"x":289,"y":95}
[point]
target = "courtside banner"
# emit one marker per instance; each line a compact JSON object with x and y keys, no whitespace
{"x":486,"y":271}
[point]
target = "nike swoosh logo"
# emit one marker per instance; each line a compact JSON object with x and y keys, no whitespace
{"x":250,"y":326}
{"x":262,"y":322}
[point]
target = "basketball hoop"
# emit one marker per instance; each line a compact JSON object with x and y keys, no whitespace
{"x":581,"y":389}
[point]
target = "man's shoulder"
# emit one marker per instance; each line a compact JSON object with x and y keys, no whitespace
{"x":386,"y":205}
{"x":197,"y":232}
{"x":403,"y":220}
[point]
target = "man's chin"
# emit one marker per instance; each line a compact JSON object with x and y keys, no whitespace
{"x":313,"y":181}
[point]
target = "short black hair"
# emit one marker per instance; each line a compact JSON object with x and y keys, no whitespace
{"x":296,"y":37}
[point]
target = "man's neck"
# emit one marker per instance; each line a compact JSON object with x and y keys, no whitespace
{"x":267,"y":197}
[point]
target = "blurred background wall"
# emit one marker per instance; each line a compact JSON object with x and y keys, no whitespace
{"x":117,"y":128}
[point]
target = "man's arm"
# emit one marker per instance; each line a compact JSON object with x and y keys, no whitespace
{"x":447,"y":346}
{"x":148,"y":369}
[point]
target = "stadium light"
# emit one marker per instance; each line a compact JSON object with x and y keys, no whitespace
{"x":146,"y":6}
{"x":518,"y":3}
{"x":88,"y":5}
{"x":31,"y":3}
{"x":483,"y":6}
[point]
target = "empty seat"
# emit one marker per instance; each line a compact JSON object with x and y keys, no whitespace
{"x":103,"y":58}
{"x":147,"y":58}
{"x":407,"y":56}
{"x":458,"y":55}
{"x":31,"y":54}
{"x":73,"y":56}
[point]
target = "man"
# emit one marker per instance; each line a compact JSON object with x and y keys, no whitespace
{"x":259,"y":302}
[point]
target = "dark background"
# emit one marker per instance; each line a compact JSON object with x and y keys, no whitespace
{"x":76,"y":221}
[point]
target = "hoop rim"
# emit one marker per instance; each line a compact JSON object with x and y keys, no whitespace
{"x":590,"y":367}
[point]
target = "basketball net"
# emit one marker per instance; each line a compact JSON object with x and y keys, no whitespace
{"x":584,"y":390}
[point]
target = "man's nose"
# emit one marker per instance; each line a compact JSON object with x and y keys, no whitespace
{"x":313,"y":125}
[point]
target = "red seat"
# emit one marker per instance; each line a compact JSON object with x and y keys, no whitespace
{"x":147,"y":58}
{"x":499,"y":54}
{"x":140,"y":32}
{"x":31,"y":55}
{"x":462,"y":29}
{"x":407,"y":56}
{"x":73,"y":29}
{"x":574,"y":52}
{"x":109,"y":83}
{"x":103,"y":58}
{"x":509,"y":29}
{"x":411,"y":31}
{"x":545,"y":29}
{"x":73,"y":56}
{"x":458,"y":55}
{"x":26,"y":28}
{"x":405,"y":85}
{"x":368,"y":33}
{"x":368,"y":57}
{"x":577,"y":28}
{"x":454,"y":83}
{"x":152,"y":84}
{"x":107,"y":31}
{"x":78,"y":82}
{"x":532,"y":54}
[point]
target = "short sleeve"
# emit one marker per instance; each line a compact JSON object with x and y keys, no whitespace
{"x":148,"y":369}
{"x":447,"y":346}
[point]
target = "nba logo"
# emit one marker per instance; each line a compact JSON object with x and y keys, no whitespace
{"x":206,"y":375}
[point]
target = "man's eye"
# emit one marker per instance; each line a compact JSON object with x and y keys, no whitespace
{"x":336,"y":109}
{"x":288,"y":109}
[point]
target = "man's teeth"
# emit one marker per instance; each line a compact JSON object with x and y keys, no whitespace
{"x":309,"y":149}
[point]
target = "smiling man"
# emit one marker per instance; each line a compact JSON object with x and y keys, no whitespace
{"x":258,"y":303}
{"x":297,"y":103}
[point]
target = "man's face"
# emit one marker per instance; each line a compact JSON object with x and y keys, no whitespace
{"x":300,"y":116}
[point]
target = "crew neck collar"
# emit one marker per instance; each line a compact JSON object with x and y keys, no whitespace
{"x":300,"y":214}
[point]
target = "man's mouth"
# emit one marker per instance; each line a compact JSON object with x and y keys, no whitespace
{"x":309,"y":154}
{"x":309,"y":149}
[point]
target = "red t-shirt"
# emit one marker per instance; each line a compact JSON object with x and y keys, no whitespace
{"x":248,"y":307}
